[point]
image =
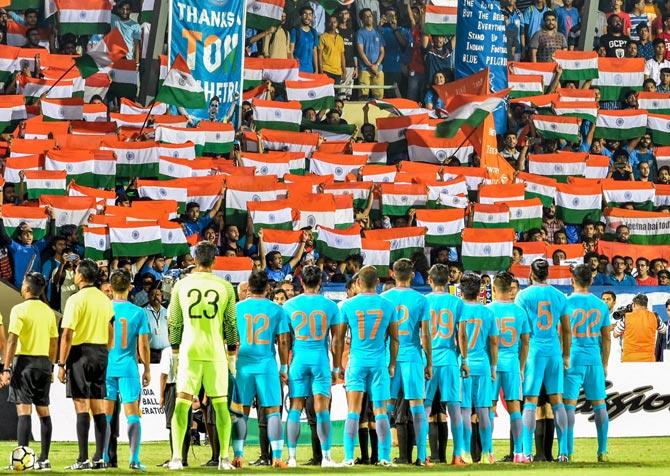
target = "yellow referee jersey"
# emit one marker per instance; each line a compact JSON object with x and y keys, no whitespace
{"x":88,"y":313}
{"x":35,"y":325}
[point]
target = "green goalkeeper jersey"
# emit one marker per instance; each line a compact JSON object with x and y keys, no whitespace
{"x":201,"y":317}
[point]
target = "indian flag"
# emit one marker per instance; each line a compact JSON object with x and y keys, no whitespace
{"x":559,"y":166}
{"x":404,"y":241}
{"x":546,"y":70}
{"x":474,"y":176}
{"x":305,"y":184}
{"x":84,"y":18}
{"x":234,"y":269}
{"x":574,"y":254}
{"x":16,"y":34}
{"x":618,"y":193}
{"x":468,"y":110}
{"x":135,"y":238}
{"x":391,"y":130}
{"x":557,"y":127}
{"x":317,"y":209}
{"x":177,"y":151}
{"x":532,"y":250}
{"x":70,"y":210}
{"x":274,"y":163}
{"x":132,"y":121}
{"x":94,"y":112}
{"x":180,"y":88}
{"x":397,"y":200}
{"x":443,"y":227}
{"x":379,"y":173}
{"x":205,"y":190}
{"x":525,"y":214}
{"x":646,"y":228}
{"x":276,"y":70}
{"x":574,"y":203}
{"x":317,"y":93}
{"x":12,"y":111}
{"x":374,"y":151}
{"x":338,"y":244}
{"x":103,"y":54}
{"x":581,"y":109}
{"x":662,"y":155}
{"x":659,"y":126}
{"x":597,"y":166}
{"x":359,"y":191}
{"x":577,"y":65}
{"x":576,"y":95}
{"x":70,"y":109}
{"x":22,"y":147}
{"x":173,"y":239}
{"x":8,"y":62}
{"x":163,"y":190}
{"x":34,"y":89}
{"x":487,"y":250}
{"x":339,"y":165}
{"x":440,"y":21}
{"x":14,"y":165}
{"x":658,"y":103}
{"x":125,"y":78}
{"x":219,"y":137}
{"x":108,"y":197}
{"x":178,"y":135}
{"x":287,"y":141}
{"x":96,"y":84}
{"x":453,"y":187}
{"x":285,"y":241}
{"x":622,"y":124}
{"x":131,"y":107}
{"x":263,"y":14}
{"x":134,"y":159}
{"x":399,"y":106}
{"x":44,"y":182}
{"x":241,"y":190}
{"x":90,"y":168}
{"x":279,"y":115}
{"x":275,"y":214}
{"x":376,"y":253}
{"x":424,"y":146}
{"x":538,"y":186}
{"x":494,"y":215}
{"x":13,"y":216}
{"x":96,"y":243}
{"x":617,"y":75}
{"x":500,"y":193}
{"x":344,"y":211}
{"x":330,"y":132}
{"x":525,"y":85}
{"x":147,"y":11}
{"x":169,"y":168}
{"x":662,"y":198}
{"x":542,"y":103}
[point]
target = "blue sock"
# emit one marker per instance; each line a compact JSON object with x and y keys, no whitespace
{"x":454,"y":410}
{"x":528,"y":435}
{"x":275,"y":435}
{"x":602,"y":425}
{"x":108,"y":435}
{"x":292,"y":431}
{"x":484,"y":416}
{"x":492,"y":418}
{"x":466,"y":417}
{"x":384,"y":435}
{"x":350,"y":432}
{"x":570,"y":431}
{"x":323,"y":430}
{"x":561,"y":420}
{"x":134,"y":438}
{"x":517,"y":428}
{"x":420,"y":420}
{"x":239,"y":435}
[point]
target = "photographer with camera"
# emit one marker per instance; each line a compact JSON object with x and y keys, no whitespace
{"x":638,"y":326}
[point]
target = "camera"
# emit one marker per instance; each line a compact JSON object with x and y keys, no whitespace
{"x":622,"y":311}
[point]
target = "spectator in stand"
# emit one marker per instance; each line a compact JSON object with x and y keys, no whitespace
{"x":432,"y":99}
{"x":622,"y":234}
{"x":416,"y":66}
{"x":567,"y":17}
{"x":373,"y":6}
{"x":346,"y":31}
{"x":638,"y":329}
{"x":645,"y":47}
{"x":610,"y":300}
{"x":619,"y":276}
{"x":663,"y":278}
{"x":276,"y":44}
{"x":657,"y":265}
{"x":637,"y":17}
{"x":644,"y":172}
{"x":129,"y":28}
{"x":396,"y":40}
{"x":663,"y":175}
{"x":617,"y":9}
{"x":158,"y":323}
{"x":665,"y":35}
{"x":272,"y":262}
{"x":193,"y":223}
{"x":438,"y":57}
{"x":664,"y":84}
{"x":643,"y":277}
{"x":141,"y":297}
{"x":592,"y":260}
{"x":514,"y":22}
{"x":331,"y":51}
{"x":455,"y":273}
{"x":305,"y":42}
{"x":533,"y":18}
{"x":370,"y":47}
{"x":653,"y":67}
{"x":630,"y":266}
{"x":614,"y":41}
{"x":551,"y":222}
{"x":652,"y":11}
{"x":292,"y":11}
{"x":621,"y":170}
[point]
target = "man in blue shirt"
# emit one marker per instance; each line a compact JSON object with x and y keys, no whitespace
{"x":158,"y":324}
{"x":567,"y":16}
{"x":619,"y":276}
{"x":273,"y":262}
{"x":397,"y":40}
{"x":58,"y":247}
{"x":194,"y":223}
{"x":305,"y":41}
{"x":370,"y":47}
{"x":533,"y":19}
{"x":129,"y":29}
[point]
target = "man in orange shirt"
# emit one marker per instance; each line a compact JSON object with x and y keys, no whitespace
{"x":638,"y":329}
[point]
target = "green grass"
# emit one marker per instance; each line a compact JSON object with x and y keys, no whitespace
{"x":648,"y":456}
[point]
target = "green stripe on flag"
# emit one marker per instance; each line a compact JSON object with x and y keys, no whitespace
{"x":614,"y":93}
{"x":146,"y":248}
{"x":217,"y":147}
{"x":619,"y":134}
{"x":439,"y":29}
{"x":236,"y":217}
{"x":526,"y":224}
{"x":443,"y":240}
{"x":96,"y":254}
{"x":277,"y":125}
{"x":486,"y":263}
{"x":547,"y":201}
{"x":84,"y":28}
{"x":125,"y":90}
{"x":86,"y":66}
{"x":337,"y":254}
{"x":175,"y":249}
{"x":93,"y":180}
{"x":260,"y":22}
{"x":449,"y":128}
{"x":579,"y":74}
{"x":35,"y":193}
{"x":576,"y":217}
{"x":139,"y":171}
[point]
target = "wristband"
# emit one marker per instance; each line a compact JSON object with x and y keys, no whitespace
{"x":494,"y":367}
{"x":283,"y":369}
{"x":8,"y":369}
{"x":336,"y":370}
{"x":61,"y":365}
{"x":464,"y":361}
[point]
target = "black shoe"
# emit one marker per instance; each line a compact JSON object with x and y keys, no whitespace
{"x":507,"y":459}
{"x":539,"y":459}
{"x":400,"y":461}
{"x":163,"y":464}
{"x":42,"y":465}
{"x":99,"y":464}
{"x":313,"y":462}
{"x":210,"y":463}
{"x":79,"y":466}
{"x":361,"y":461}
{"x":261,"y":462}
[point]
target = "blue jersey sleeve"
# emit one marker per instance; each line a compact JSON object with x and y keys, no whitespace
{"x":284,"y":320}
{"x":493,"y":325}
{"x":144,"y":323}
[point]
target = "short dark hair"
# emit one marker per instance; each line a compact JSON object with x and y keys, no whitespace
{"x":439,"y":274}
{"x":368,"y":276}
{"x":665,"y":70}
{"x":518,"y":249}
{"x":28,"y":11}
{"x":611,"y":293}
{"x":641,"y":300}
{"x":191,"y":205}
{"x":540,"y":269}
{"x":591,"y":254}
{"x":277,"y":291}
{"x":503,"y":281}
{"x":205,"y":253}
{"x":471,"y":284}
{"x":616,"y":257}
{"x":547,"y":14}
{"x":403,"y":269}
{"x":88,"y":269}
{"x":643,"y":25}
{"x":582,"y":275}
{"x":658,"y":41}
{"x":36,"y":283}
{"x":120,"y":280}
{"x":306,"y":8}
{"x":360,"y":14}
{"x":258,"y":281}
{"x":350,"y":284}
{"x":311,"y":276}
{"x":641,"y":258}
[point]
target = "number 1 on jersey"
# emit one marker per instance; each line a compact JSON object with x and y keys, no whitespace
{"x":377,"y":314}
{"x":254,"y":337}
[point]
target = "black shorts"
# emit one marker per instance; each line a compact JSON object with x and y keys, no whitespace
{"x":170,"y":398}
{"x":367,"y":414}
{"x":86,"y":372}
{"x":31,"y":380}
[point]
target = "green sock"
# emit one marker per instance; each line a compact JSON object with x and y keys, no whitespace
{"x":179,"y":425}
{"x":223,"y":423}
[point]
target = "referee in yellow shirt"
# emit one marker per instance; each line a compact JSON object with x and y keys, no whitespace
{"x":87,"y":334}
{"x":31,"y":349}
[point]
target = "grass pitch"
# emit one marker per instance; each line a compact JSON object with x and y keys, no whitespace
{"x":628,"y":456}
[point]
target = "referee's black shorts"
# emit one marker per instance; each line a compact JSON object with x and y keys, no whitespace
{"x":86,"y":369}
{"x":31,"y":380}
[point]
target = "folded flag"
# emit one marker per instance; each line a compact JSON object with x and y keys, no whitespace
{"x":108,"y":197}
{"x":180,"y":89}
{"x":173,"y":239}
{"x":443,"y":227}
{"x":659,"y":126}
{"x":70,"y":210}
{"x":405,"y":241}
{"x":12,"y":111}
{"x":22,"y":147}
{"x":318,"y":94}
{"x":234,"y":269}
{"x":440,"y":20}
{"x":538,"y":186}
{"x":453,"y":187}
{"x":557,"y":127}
{"x":574,"y":203}
{"x":131,"y":121}
{"x":35,"y":217}
{"x":134,"y":159}
{"x":559,"y":166}
{"x":263,"y":14}
{"x":577,"y":65}
{"x":285,"y":241}
{"x":658,"y":103}
{"x":397,"y":200}
{"x":399,"y":106}
{"x":487,"y":250}
{"x":490,"y":215}
{"x":14,"y":165}
{"x":525,"y":85}
{"x":581,"y":109}
{"x":576,"y":95}
{"x":546,"y":70}
{"x":169,"y":134}
{"x":44,"y":182}
{"x":96,"y":243}
{"x":274,"y":163}
{"x":90,"y":18}
{"x":286,"y":141}
{"x":135,"y":238}
{"x":376,"y":253}
{"x":558,"y":275}
{"x":424,"y":146}
{"x":338,"y":244}
{"x":619,"y":193}
{"x":276,"y":70}
{"x":278,"y":115}
{"x":501,"y":193}
{"x":646,"y":228}
{"x":103,"y":54}
{"x":469,"y":110}
{"x":618,"y":75}
{"x":275,"y":214}
{"x":339,"y":165}
{"x":70,"y":109}
{"x":525,"y":214}
{"x":241,"y":190}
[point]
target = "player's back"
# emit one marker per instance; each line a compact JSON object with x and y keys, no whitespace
{"x":480,"y":325}
{"x":512,"y":322}
{"x":310,"y":317}
{"x":130,"y":322}
{"x":545,"y":305}
{"x":588,"y":315}
{"x":368,"y":316}
{"x":203,"y":299}
{"x":411,"y":310}
{"x":259,"y":322}
{"x":445,"y":312}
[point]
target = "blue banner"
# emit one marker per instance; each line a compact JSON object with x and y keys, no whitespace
{"x":209,"y":35}
{"x":481,"y":43}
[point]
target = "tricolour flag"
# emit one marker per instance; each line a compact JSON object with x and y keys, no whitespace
{"x":263,"y":14}
{"x":330,"y":132}
{"x":597,"y":166}
{"x":646,"y":228}
{"x":379,"y":173}
{"x":180,"y":88}
{"x":468,"y":110}
{"x":391,"y":130}
{"x":338,"y":244}
{"x":374,"y":151}
{"x":501,"y":193}
{"x":622,"y":124}
{"x":443,"y":227}
{"x":103,"y":54}
{"x":163,"y":190}
{"x":240,"y":190}
{"x":70,"y":210}
{"x":559,"y":166}
{"x":662,"y":198}
{"x":658,"y":103}
{"x":173,"y":239}
{"x":12,"y":111}
{"x":557,"y":127}
{"x":659,"y":126}
{"x":96,"y":243}
{"x":576,"y":95}
{"x":618,"y":193}
{"x":525,"y":214}
{"x":84,"y":18}
{"x":618,"y":75}
{"x":359,"y":191}
{"x":22,"y":147}
{"x":219,"y":137}
{"x":339,"y":165}
{"x":286,"y":141}
{"x":13,"y":216}
{"x":454,"y":187}
{"x":397,"y":200}
{"x":34,"y":89}
{"x":574,"y":254}
{"x":95,"y":112}
{"x":89,"y":168}
{"x":546,"y":70}
{"x":274,"y":163}
{"x":8,"y":62}
{"x":185,"y":150}
{"x":474,"y":176}
{"x":494,"y":215}
{"x":487,"y":250}
{"x":531,"y":250}
{"x":577,"y":65}
{"x":574,"y":203}
{"x":276,"y":70}
{"x":399,"y":106}
{"x":344,"y":211}
{"x":376,"y":253}
{"x":285,"y":241}
{"x":131,"y":107}
{"x":135,"y":238}
{"x":125,"y":78}
{"x":169,"y":168}
{"x":134,"y":159}
{"x":44,"y":182}
{"x":108,"y":197}
{"x":405,"y":241}
{"x":581,"y":109}
{"x":440,"y":20}
{"x":538,"y":186}
{"x":525,"y":85}
{"x":424,"y":146}
{"x":234,"y":269}
{"x":314,"y":210}
{"x":279,"y":115}
{"x":14,"y":165}
{"x":275,"y":214}
{"x":203,"y":190}
{"x":315,"y":93}
{"x":70,"y":109}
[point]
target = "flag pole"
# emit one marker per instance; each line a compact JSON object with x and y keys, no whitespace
{"x":61,"y":77}
{"x":465,"y":140}
{"x":146,"y":119}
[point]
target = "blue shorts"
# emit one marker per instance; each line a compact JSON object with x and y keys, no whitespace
{"x":374,"y":380}
{"x":128,"y":388}
{"x":410,"y":377}
{"x":510,"y":382}
{"x":477,"y":390}
{"x":262,"y":382}
{"x":591,"y":377}
{"x":306,"y":379}
{"x":446,"y":378}
{"x":547,"y":370}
